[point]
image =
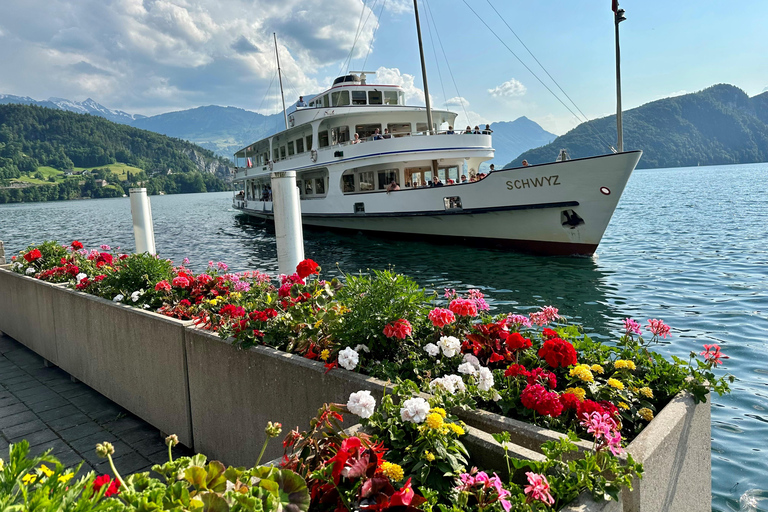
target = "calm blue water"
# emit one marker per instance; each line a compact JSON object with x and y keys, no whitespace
{"x":685,"y":245}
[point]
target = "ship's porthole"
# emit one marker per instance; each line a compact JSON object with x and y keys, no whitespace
{"x":605,"y":191}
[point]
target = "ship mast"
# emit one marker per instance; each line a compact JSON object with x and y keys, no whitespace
{"x":282,"y":95}
{"x":423,"y":67}
{"x":618,"y":17}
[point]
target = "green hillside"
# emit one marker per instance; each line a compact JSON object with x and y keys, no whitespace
{"x":48,"y":154}
{"x":719,"y":125}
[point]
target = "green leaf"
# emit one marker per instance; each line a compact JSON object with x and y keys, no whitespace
{"x":196,"y":476}
{"x":214,"y":503}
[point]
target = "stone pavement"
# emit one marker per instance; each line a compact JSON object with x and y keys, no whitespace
{"x":44,"y":406}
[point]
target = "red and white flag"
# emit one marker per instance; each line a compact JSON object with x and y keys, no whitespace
{"x":248,"y":163}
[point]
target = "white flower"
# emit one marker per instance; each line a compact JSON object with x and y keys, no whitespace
{"x":135,"y":296}
{"x":29,"y":271}
{"x":485,"y":379}
{"x":348,"y":358}
{"x":79,"y":277}
{"x":362,"y":347}
{"x":467,"y":369}
{"x":118,"y":297}
{"x":450,"y":383}
{"x":496,"y":396}
{"x":471,"y":359}
{"x":362,"y":404}
{"x":146,"y":306}
{"x":457,"y":382}
{"x":449,"y":345}
{"x":414,"y":410}
{"x":432,"y":349}
{"x":17,"y":265}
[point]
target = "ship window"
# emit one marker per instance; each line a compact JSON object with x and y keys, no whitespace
{"x":366,"y":130}
{"x":366,"y":181}
{"x":282,"y":152}
{"x":386,"y":177}
{"x":374,"y":97}
{"x":290,"y":148}
{"x":348,"y":183}
{"x":308,"y":188}
{"x":390,"y":97}
{"x":418,"y":176}
{"x":322,"y":139}
{"x":309,"y":142}
{"x":399,"y":129}
{"x":340,"y":98}
{"x":359,"y":207}
{"x":319,"y":186}
{"x":299,"y":145}
{"x":447,"y":173}
{"x":358,"y":97}
{"x":275,"y":154}
{"x":421,"y":127}
{"x":452,"y":203}
{"x":326,"y":102}
{"x":340,"y":134}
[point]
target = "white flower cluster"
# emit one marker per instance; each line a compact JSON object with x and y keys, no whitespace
{"x":485,"y":379}
{"x":79,"y":277}
{"x":472,"y":367}
{"x":119,"y":297}
{"x":135,"y":296}
{"x":414,"y":410}
{"x":362,"y":404}
{"x":450,"y":383}
{"x":431,"y":349}
{"x":348,"y":358}
{"x":450,"y":346}
{"x":29,"y":271}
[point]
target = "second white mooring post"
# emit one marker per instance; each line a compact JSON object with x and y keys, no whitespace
{"x":288,"y":230}
{"x":143,"y":230}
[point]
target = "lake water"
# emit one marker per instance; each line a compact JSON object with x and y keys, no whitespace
{"x":686,"y":245}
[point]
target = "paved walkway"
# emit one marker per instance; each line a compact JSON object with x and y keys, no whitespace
{"x":44,"y":406}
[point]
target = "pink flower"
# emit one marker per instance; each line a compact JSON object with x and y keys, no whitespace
{"x":181,"y":282}
{"x":658,"y":327}
{"x":479,"y":299}
{"x":163,"y":286}
{"x":518,"y":320}
{"x":398,"y":329}
{"x":449,"y":293}
{"x":550,"y":312}
{"x":605,"y":430}
{"x":440,"y":317}
{"x":538,"y":489}
{"x":463,"y":307}
{"x":186,"y":261}
{"x":712,"y":355}
{"x":538,"y":318}
{"x":222,"y":266}
{"x":631,"y":327}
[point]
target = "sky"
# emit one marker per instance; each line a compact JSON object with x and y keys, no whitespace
{"x":153,"y":56}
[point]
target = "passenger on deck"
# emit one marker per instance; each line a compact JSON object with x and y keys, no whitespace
{"x":301,"y":102}
{"x":436,"y":181}
{"x":492,"y":169}
{"x":377,"y":135}
{"x":463,"y":178}
{"x":487,"y":130}
{"x":356,"y":140}
{"x":525,"y":163}
{"x":476,"y":131}
{"x":450,"y":130}
{"x":393,"y":186}
{"x":407,"y":184}
{"x":468,"y":130}
{"x":387,"y":135}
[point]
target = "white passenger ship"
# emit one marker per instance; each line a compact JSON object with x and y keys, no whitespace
{"x":559,"y":207}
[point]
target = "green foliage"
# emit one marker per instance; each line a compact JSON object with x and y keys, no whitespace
{"x":138,"y":272}
{"x":719,"y":125}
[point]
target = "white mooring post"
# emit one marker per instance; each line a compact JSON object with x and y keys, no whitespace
{"x":288,"y":230}
{"x":143,"y":231}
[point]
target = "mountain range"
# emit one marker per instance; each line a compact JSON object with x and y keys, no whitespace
{"x":719,"y":125}
{"x":88,"y":106}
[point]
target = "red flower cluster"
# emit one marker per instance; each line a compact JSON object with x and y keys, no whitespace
{"x":262,"y":316}
{"x":493,"y":343}
{"x":603,"y":407}
{"x":558,"y":353}
{"x":180,"y":281}
{"x":515,"y":370}
{"x":440,"y":317}
{"x":570,"y":401}
{"x":105,"y":480}
{"x":537,"y":398}
{"x":463,"y":307}
{"x":163,"y":286}
{"x":76,"y":245}
{"x":398,"y":329}
{"x":233,"y":311}
{"x":543,"y":377}
{"x":33,"y":255}
{"x":288,"y":282}
{"x":306,"y":268}
{"x":515,"y":342}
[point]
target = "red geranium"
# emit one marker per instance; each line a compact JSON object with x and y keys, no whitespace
{"x":515,"y":341}
{"x":558,"y":353}
{"x":181,"y":282}
{"x":516,"y":369}
{"x":537,"y":398}
{"x":603,"y":407}
{"x":549,"y":333}
{"x":398,"y":329}
{"x":542,"y":376}
{"x":104,"y":258}
{"x":440,"y":317}
{"x":101,"y":481}
{"x":570,"y":401}
{"x":77,"y":245}
{"x":163,"y":286}
{"x":463,"y":307}
{"x":33,"y":255}
{"x":306,"y":268}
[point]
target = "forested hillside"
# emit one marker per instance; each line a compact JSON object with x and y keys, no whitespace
{"x":719,"y":125}
{"x":44,"y":153}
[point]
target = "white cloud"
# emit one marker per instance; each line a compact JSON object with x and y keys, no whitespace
{"x":457,"y":101}
{"x":511,"y":87}
{"x":393,"y":76}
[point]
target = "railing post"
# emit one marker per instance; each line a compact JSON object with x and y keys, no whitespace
{"x":143,"y":231}
{"x":288,"y":230}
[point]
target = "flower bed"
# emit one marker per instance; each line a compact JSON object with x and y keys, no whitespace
{"x":537,"y":370}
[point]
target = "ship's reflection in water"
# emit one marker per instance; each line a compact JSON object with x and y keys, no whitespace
{"x":578,"y":286}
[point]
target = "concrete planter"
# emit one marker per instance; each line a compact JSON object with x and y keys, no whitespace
{"x":26,"y":312}
{"x":674,"y":450}
{"x":135,"y":358}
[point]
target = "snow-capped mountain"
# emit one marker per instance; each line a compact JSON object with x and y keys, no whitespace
{"x":88,"y":106}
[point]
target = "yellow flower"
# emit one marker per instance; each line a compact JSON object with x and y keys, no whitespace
{"x":439,"y":410}
{"x":646,"y":392}
{"x":597,"y":369}
{"x":29,"y":478}
{"x":2,"y":464}
{"x":318,"y":323}
{"x":46,"y":470}
{"x":429,"y":456}
{"x":236,"y":295}
{"x":582,"y":372}
{"x":615,"y":383}
{"x":392,"y":471}
{"x":623,"y":363}
{"x":456,"y":429}
{"x":645,"y":413}
{"x":66,"y":478}
{"x":434,"y":420}
{"x":579,"y":392}
{"x":325,"y":354}
{"x":623,"y":405}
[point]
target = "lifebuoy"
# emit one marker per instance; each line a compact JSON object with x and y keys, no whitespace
{"x":313,"y":155}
